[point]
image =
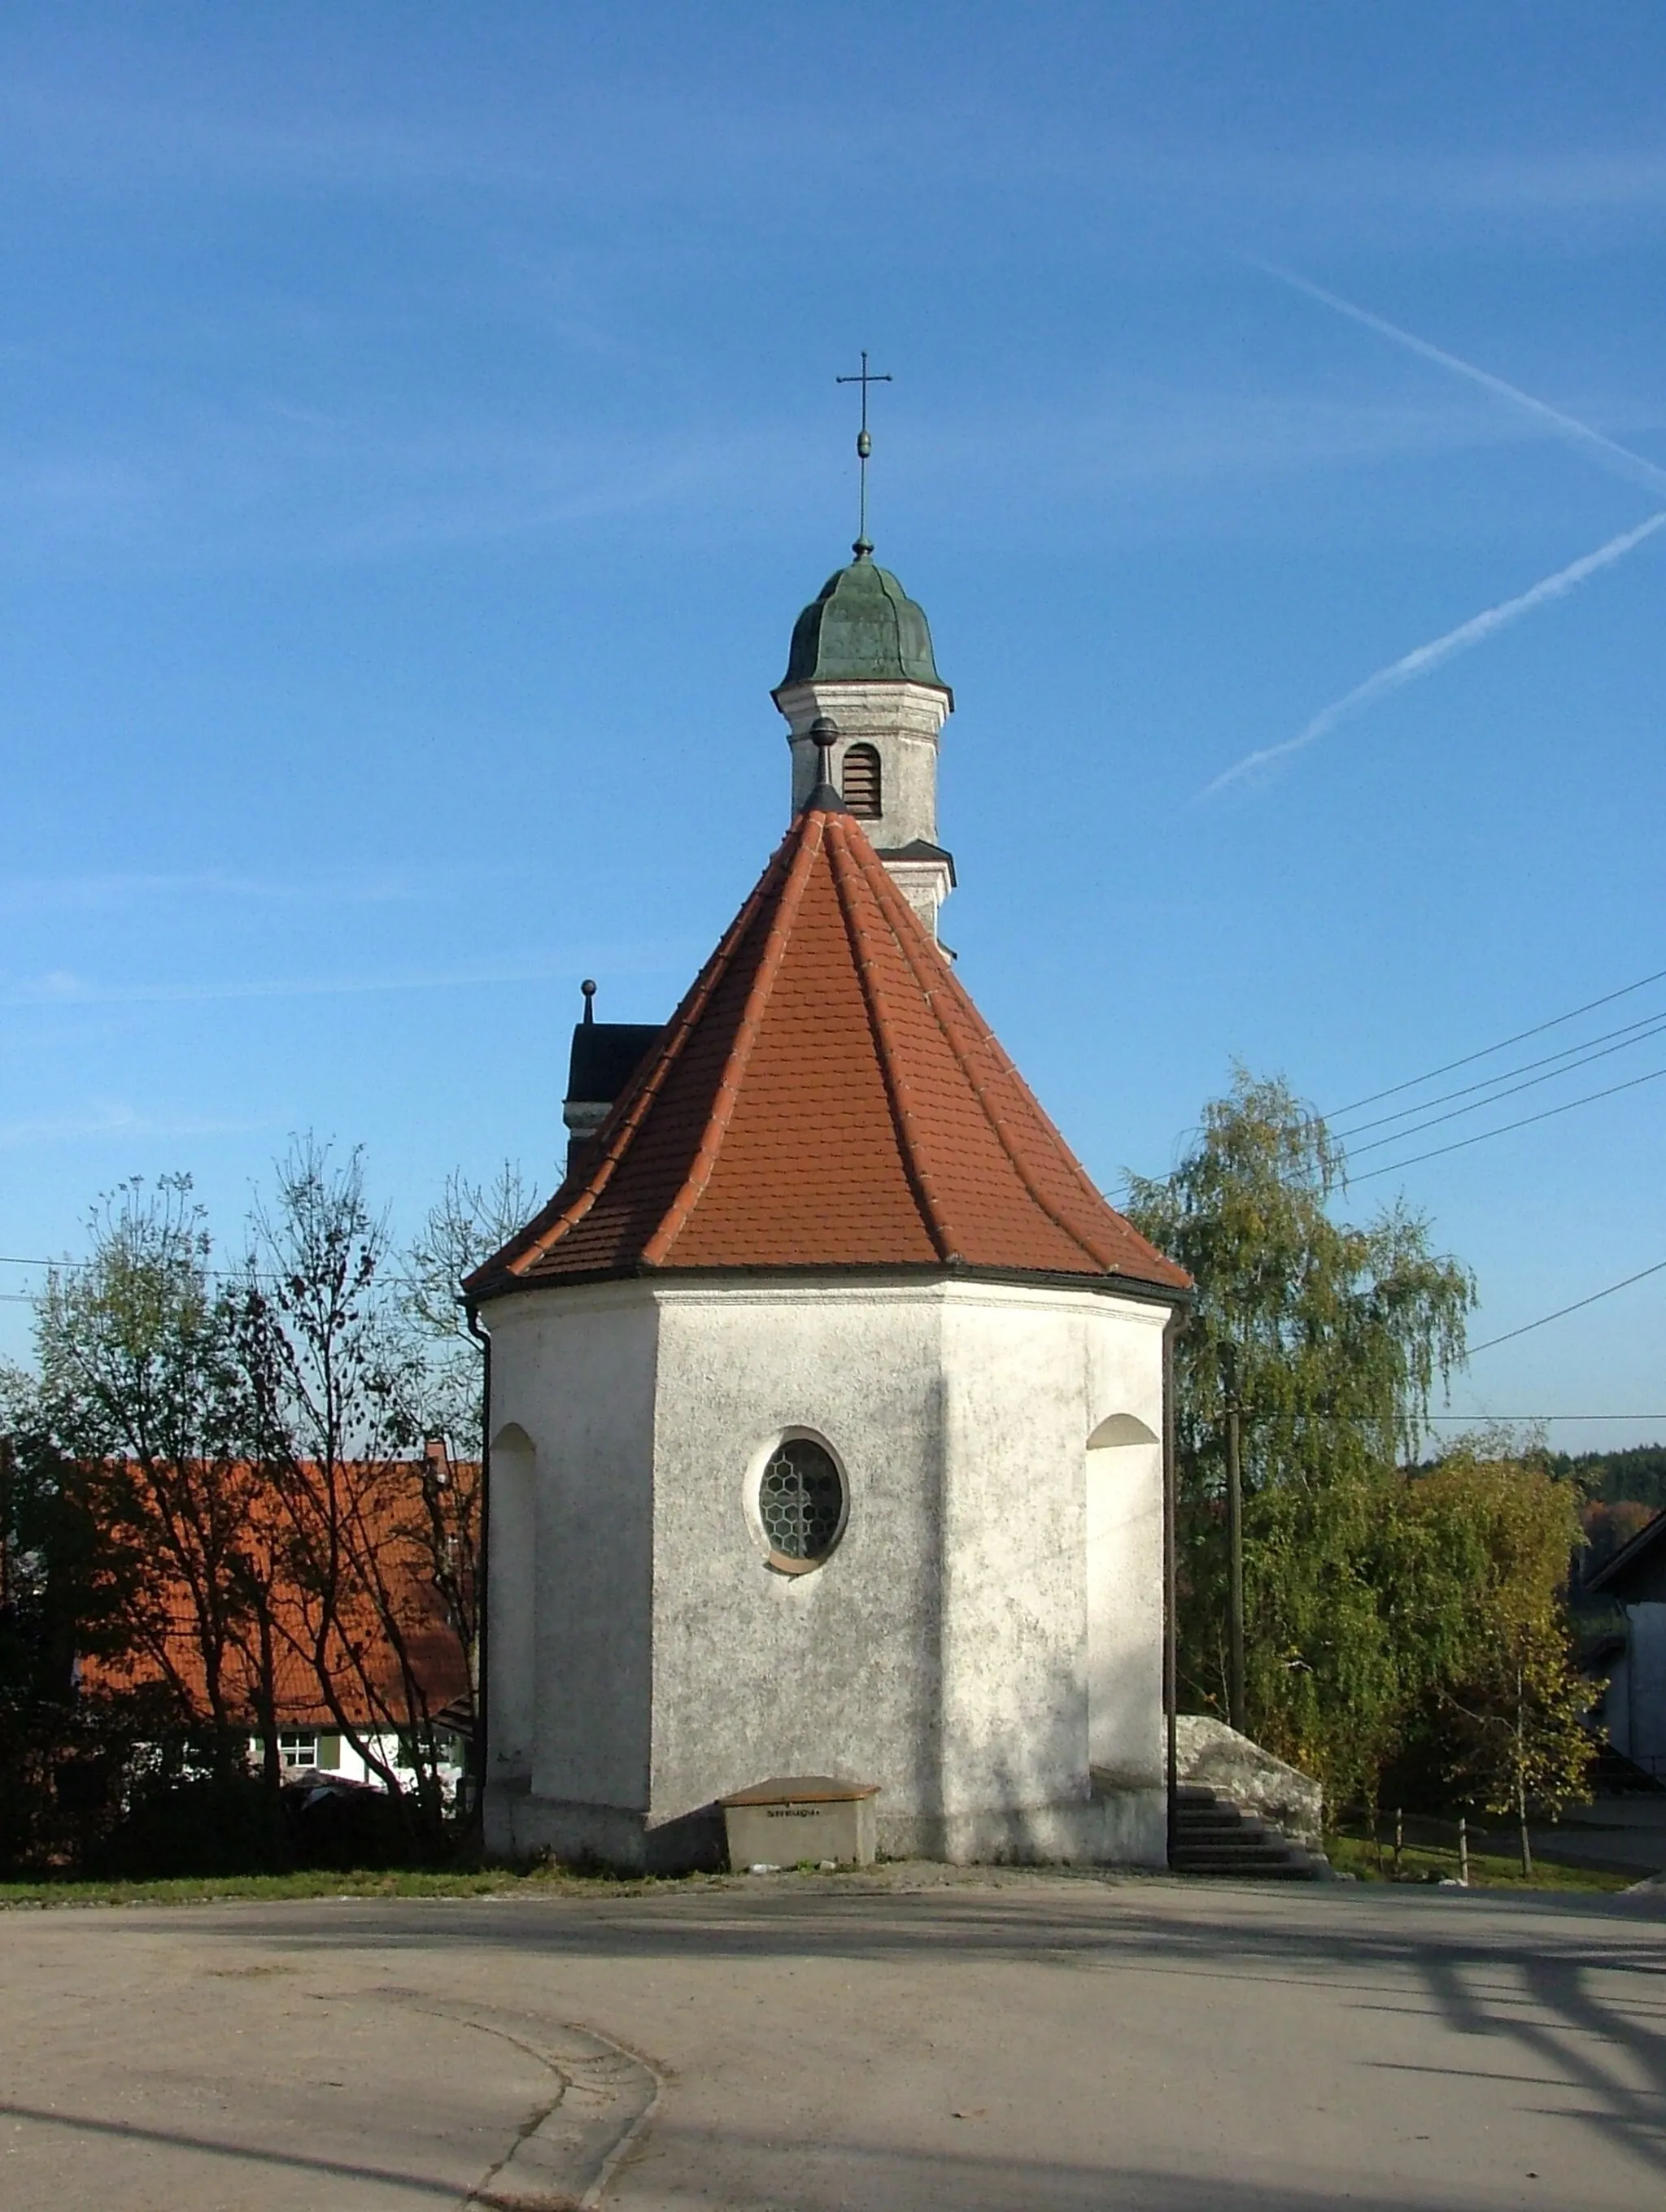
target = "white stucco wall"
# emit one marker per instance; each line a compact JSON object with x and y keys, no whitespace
{"x":1125,"y":1602}
{"x":974,"y":1643}
{"x":901,"y":721}
{"x":575,"y":1376}
{"x":758,"y":1673}
{"x":1053,"y":1584}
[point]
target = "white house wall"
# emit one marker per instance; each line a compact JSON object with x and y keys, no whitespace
{"x":335,"y":1758}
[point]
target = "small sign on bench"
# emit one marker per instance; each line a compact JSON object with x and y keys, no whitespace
{"x":794,"y":1817}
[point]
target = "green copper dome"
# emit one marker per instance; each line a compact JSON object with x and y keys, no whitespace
{"x":862,"y":626}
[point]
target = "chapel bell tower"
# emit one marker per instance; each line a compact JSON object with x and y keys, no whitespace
{"x":861,"y":679}
{"x":861,"y":660}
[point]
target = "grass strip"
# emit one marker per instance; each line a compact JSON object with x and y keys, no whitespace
{"x":1431,"y":1862}
{"x":269,"y":1888}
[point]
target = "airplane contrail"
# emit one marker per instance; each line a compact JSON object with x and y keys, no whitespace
{"x":1637,"y":466}
{"x":1425,"y":658}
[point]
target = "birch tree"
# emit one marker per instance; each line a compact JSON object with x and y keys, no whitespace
{"x":1327,"y":1339}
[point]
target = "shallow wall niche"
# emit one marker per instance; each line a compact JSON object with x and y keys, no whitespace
{"x":1120,"y":1429}
{"x":512,"y":1572}
{"x":1124,"y":1516}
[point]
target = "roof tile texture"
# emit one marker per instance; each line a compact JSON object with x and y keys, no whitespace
{"x":827,"y":1094}
{"x":365,"y":1666}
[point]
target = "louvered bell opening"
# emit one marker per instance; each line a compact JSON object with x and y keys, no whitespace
{"x":860,"y":777}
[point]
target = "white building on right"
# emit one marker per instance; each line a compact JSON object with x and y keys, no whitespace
{"x":1635,"y":1703}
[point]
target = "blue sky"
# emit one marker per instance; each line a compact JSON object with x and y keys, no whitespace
{"x":421,"y":432}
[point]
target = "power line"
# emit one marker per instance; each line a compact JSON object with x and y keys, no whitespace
{"x":1476,"y":1105}
{"x":1504,"y":1127}
{"x":1650,"y":1025}
{"x":1480,"y":1420}
{"x":1466,"y":1059}
{"x":214,"y":1275}
{"x":1658,"y":1267}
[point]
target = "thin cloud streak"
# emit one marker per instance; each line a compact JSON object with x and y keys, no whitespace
{"x":1635,"y":466}
{"x":122,"y":889}
{"x":118,"y":1121}
{"x":60,"y":989}
{"x":1428,"y":658}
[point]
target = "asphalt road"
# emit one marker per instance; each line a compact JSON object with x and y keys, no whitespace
{"x":1014,"y":2044}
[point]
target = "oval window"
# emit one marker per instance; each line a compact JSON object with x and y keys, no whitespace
{"x":800,"y":1503}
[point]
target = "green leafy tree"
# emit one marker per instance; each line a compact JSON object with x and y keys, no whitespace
{"x":1505,"y":1706}
{"x":64,"y":1593}
{"x":1328,"y":1339}
{"x":141,"y":1387}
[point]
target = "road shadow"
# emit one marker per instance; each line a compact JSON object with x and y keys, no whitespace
{"x":1563,"y":1991}
{"x":239,"y":2153}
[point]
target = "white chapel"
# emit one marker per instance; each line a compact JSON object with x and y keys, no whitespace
{"x":827,"y":1392}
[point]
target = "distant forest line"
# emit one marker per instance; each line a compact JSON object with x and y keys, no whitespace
{"x":1637,"y":1475}
{"x":1622,"y":1492}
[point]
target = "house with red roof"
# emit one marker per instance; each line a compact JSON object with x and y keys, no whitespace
{"x":351,"y":1685}
{"x":827,"y":1392}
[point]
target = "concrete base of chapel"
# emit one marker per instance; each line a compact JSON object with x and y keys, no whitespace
{"x":1114,"y":1827}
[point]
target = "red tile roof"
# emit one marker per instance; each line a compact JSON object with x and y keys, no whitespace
{"x":385,"y":1513}
{"x":826,"y":1095}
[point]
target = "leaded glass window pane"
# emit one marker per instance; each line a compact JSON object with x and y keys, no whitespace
{"x":801,"y":1500}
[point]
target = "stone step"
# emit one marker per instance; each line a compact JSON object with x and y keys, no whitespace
{"x":1244,"y":1847}
{"x":1219,"y":1868}
{"x":1241,"y":1838}
{"x":1269,"y":1846}
{"x":1215,"y":1837}
{"x":1219,"y":1820}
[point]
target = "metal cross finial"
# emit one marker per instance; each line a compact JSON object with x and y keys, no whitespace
{"x":864,"y":448}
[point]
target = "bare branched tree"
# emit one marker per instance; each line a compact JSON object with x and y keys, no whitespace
{"x":374,"y":1529}
{"x":466,"y":1225}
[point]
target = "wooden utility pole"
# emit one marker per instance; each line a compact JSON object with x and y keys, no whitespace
{"x":1235,"y":1706}
{"x":5,"y":1524}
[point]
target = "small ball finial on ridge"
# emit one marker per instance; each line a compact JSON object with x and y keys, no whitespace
{"x":824,"y":794}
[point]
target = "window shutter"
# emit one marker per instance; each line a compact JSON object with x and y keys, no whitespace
{"x":859,"y":775}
